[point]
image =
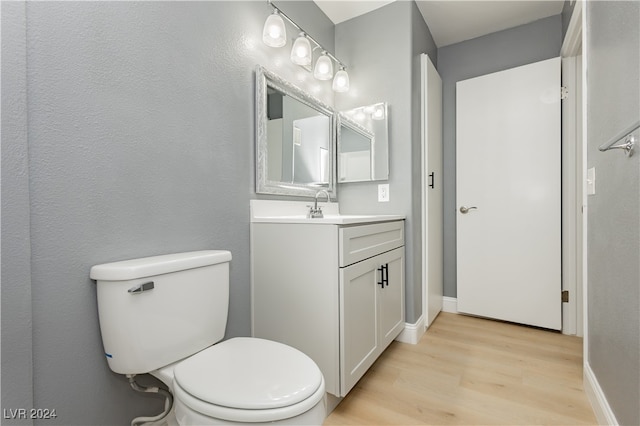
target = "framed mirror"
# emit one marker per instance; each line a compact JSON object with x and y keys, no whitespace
{"x":363,"y":144}
{"x":295,"y":139}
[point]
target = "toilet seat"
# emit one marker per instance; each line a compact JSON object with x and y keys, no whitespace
{"x":249,"y":380}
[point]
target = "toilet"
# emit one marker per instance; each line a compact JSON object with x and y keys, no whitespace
{"x":166,"y":316}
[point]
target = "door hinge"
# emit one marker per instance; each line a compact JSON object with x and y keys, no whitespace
{"x":565,"y":296}
{"x":564,"y":92}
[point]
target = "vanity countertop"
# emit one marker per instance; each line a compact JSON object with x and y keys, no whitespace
{"x":267,"y":211}
{"x":328,"y":219}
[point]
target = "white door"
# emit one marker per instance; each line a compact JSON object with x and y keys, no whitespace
{"x":508,"y":195}
{"x":432,"y":220}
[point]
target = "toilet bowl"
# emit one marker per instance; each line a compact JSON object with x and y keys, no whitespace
{"x":165,"y":315}
{"x":248,"y":380}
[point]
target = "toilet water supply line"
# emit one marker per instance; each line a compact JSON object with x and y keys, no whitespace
{"x":168,"y":402}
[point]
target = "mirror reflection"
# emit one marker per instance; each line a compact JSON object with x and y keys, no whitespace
{"x":355,"y":154}
{"x":363,"y":144}
{"x":298,"y":141}
{"x":295,"y":139}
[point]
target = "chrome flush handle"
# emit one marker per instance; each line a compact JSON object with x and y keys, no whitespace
{"x":142,"y":288}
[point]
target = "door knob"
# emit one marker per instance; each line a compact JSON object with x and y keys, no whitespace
{"x":465,"y":210}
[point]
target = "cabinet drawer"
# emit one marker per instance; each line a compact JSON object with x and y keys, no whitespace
{"x":362,"y":242}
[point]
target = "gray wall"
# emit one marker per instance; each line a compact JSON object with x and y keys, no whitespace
{"x":16,"y":244}
{"x":140,"y":142}
{"x":381,"y":49}
{"x":613,"y":88}
{"x":499,"y":51}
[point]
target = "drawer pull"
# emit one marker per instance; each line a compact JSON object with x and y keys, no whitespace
{"x":384,"y":275}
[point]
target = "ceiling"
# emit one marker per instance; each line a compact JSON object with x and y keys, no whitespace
{"x":453,"y":21}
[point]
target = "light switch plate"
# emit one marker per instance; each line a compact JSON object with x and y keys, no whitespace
{"x":383,"y":192}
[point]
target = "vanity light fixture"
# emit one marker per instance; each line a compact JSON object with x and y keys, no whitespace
{"x":324,"y":67}
{"x":301,"y":51}
{"x":274,"y":35}
{"x":341,"y":81}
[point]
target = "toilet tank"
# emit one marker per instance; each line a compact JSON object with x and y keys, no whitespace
{"x":158,"y":310}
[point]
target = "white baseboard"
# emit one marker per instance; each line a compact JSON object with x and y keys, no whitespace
{"x":412,"y":332}
{"x":450,"y":304}
{"x":596,"y":397}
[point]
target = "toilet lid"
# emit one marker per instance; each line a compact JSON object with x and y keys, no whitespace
{"x":249,"y":373}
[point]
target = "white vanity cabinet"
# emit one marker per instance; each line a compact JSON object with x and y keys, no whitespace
{"x":335,"y":292}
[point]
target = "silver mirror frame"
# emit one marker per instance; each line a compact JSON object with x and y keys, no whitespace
{"x":265,"y":78}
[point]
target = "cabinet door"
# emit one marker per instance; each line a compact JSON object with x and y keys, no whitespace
{"x":358,"y":325}
{"x":391,"y":297}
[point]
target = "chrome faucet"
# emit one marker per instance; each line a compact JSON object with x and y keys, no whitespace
{"x":315,"y":212}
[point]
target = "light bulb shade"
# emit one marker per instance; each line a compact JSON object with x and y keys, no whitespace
{"x":341,"y":81}
{"x":301,"y":51}
{"x":274,"y":33}
{"x":324,"y":68}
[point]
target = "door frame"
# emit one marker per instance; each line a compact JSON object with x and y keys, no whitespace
{"x":574,"y":152}
{"x":573,"y":43}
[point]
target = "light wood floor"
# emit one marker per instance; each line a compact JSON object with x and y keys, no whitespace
{"x":472,"y":371}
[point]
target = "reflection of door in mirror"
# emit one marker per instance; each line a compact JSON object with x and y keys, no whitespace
{"x":312,"y":141}
{"x":296,"y":132}
{"x":355,"y":156}
{"x":324,"y":165}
